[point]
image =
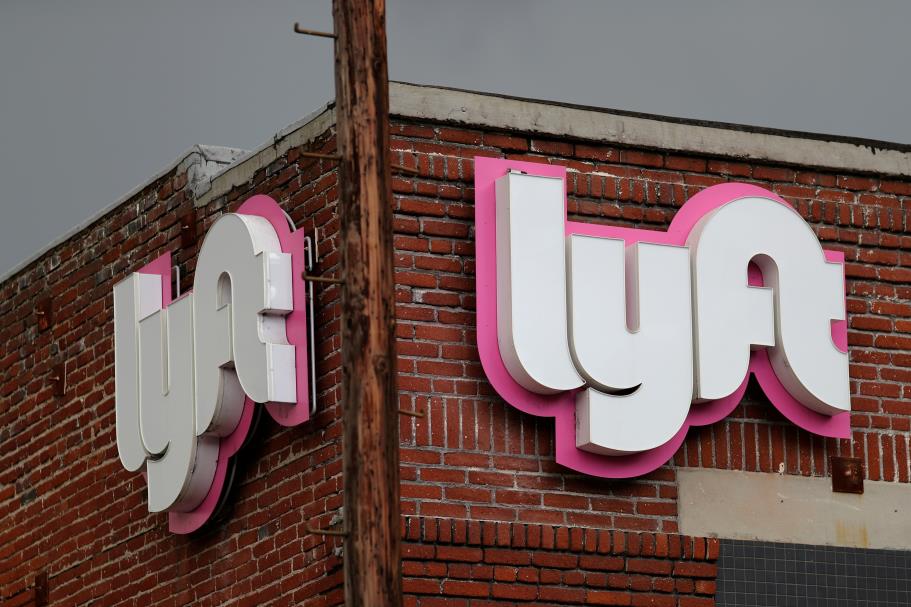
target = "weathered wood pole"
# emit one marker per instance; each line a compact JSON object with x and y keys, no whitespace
{"x":370,"y":439}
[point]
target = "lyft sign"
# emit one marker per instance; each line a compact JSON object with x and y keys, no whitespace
{"x":628,"y":336}
{"x":189,"y":371}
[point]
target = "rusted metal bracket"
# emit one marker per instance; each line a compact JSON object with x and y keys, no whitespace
{"x":847,"y":474}
{"x":58,"y":379}
{"x":42,"y":591}
{"x":324,"y":279}
{"x":316,"y":531}
{"x":188,"y":229}
{"x":44,"y":310}
{"x":300,"y":30}
{"x":403,"y":169}
{"x":413,"y":413}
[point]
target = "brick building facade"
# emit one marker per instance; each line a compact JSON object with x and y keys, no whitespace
{"x":488,"y":517}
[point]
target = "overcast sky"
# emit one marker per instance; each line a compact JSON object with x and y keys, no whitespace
{"x":96,"y":96}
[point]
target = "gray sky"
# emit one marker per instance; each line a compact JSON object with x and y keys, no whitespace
{"x":98,"y":95}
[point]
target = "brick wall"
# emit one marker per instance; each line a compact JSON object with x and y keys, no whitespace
{"x":490,"y":563}
{"x":488,"y":516}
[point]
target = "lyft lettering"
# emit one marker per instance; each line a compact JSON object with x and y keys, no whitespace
{"x":187,"y":370}
{"x":640,"y":329}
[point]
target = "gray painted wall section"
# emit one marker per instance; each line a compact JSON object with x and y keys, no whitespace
{"x":794,"y":509}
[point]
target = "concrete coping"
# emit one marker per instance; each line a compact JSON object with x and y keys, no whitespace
{"x":644,"y":130}
{"x":555,"y":120}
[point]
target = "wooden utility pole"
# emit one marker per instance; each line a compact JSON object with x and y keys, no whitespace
{"x":370,"y":418}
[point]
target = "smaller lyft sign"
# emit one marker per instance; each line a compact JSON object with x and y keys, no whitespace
{"x":189,"y":371}
{"x":627,"y":337}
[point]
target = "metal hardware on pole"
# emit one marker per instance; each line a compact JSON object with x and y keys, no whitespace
{"x":403,"y":169}
{"x":324,"y":279}
{"x":316,"y":531}
{"x":412,"y":413}
{"x":333,"y":157}
{"x":299,"y":30}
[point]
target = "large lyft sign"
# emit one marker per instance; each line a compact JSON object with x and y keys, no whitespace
{"x":627,"y":337}
{"x":188,"y":371}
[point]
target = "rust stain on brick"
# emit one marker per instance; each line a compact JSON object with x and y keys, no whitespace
{"x":847,"y":474}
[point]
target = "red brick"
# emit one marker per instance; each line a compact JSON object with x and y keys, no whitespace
{"x":601,"y":563}
{"x":767,"y":173}
{"x":738,"y":169}
{"x":650,"y":566}
{"x":506,"y":142}
{"x":556,"y":148}
{"x":459,"y":553}
{"x":518,"y":592}
{"x":689,"y":569}
{"x":600,"y":153}
{"x":460,"y":136}
{"x":641,"y":158}
{"x":685,"y":163}
{"x":459,"y":588}
{"x":609,"y":597}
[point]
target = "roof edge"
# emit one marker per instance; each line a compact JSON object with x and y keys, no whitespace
{"x":214,"y":170}
{"x":875,"y":143}
{"x":242,"y":169}
{"x":553,"y":119}
{"x":202,"y":163}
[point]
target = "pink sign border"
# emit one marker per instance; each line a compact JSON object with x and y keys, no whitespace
{"x":562,"y":406}
{"x":292,"y":242}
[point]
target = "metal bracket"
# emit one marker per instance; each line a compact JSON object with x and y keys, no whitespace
{"x":299,"y":30}
{"x":324,"y":279}
{"x":316,"y":531}
{"x":58,"y":379}
{"x":176,"y":269}
{"x":403,"y":169}
{"x":412,"y":413}
{"x":44,"y":310}
{"x":42,"y":591}
{"x":188,"y":229}
{"x":311,"y":322}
